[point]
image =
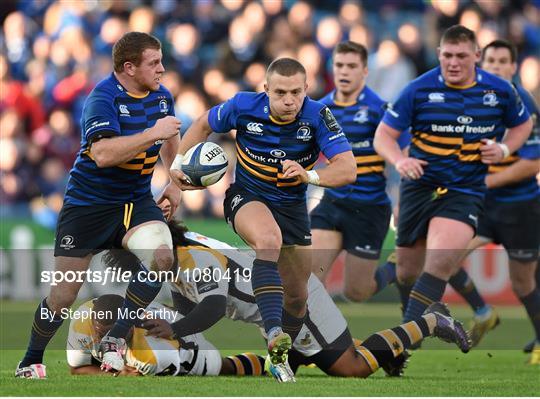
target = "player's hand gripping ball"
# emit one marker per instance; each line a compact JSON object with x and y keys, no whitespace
{"x":204,"y":164}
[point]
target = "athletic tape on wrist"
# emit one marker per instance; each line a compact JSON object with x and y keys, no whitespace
{"x":505,"y":150}
{"x":313,"y":177}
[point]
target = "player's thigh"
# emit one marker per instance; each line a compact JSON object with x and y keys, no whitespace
{"x":359,"y":277}
{"x":70,"y":274}
{"x":255,"y":223}
{"x":326,"y":246}
{"x":447,"y":244}
{"x":410,"y":261}
{"x":522,"y":276}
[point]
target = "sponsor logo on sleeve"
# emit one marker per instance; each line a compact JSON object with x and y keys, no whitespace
{"x":329,"y":120}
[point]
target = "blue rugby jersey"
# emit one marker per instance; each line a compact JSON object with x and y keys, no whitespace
{"x":447,"y":123}
{"x":262,"y":143}
{"x":359,"y":121}
{"x":526,"y":189}
{"x":110,"y":111}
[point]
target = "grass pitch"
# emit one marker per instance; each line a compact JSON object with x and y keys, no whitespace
{"x":496,"y":368}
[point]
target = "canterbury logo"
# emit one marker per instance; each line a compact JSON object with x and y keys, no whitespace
{"x":254,"y":127}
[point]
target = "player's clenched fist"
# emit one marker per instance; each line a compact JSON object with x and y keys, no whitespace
{"x":167,"y":127}
{"x":294,"y":169}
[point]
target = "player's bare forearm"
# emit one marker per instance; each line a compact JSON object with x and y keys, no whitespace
{"x":168,"y":151}
{"x":340,"y":171}
{"x":515,"y":137}
{"x":197,"y":133}
{"x":386,"y":145}
{"x":114,"y":151}
{"x":518,"y":171}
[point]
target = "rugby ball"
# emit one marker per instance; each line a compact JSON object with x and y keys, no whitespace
{"x":204,"y":164}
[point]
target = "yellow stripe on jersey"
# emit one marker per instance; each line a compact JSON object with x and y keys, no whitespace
{"x":438,"y":139}
{"x":393,"y":341}
{"x":147,"y":166}
{"x":368,"y":159}
{"x":434,"y":150}
{"x":369,"y":358}
{"x":470,"y":157}
{"x":255,"y":173}
{"x":369,"y":169}
{"x":140,"y":349}
{"x":259,"y":165}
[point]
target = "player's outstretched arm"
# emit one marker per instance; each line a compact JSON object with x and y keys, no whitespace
{"x":108,"y":152}
{"x":197,"y":133}
{"x":386,"y":145}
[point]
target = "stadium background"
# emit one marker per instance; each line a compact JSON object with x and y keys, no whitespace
{"x":54,"y":52}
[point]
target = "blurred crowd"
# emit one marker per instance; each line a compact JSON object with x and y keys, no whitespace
{"x":54,"y":52}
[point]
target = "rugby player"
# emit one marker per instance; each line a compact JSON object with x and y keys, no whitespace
{"x":512,"y":205}
{"x":355,"y":217}
{"x":147,"y":355}
{"x":279,"y":135}
{"x":324,"y":338}
{"x":458,"y":115}
{"x":128,"y":122}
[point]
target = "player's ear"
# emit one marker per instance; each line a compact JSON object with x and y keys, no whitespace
{"x":514,"y":68}
{"x":266,"y":88}
{"x":129,"y":68}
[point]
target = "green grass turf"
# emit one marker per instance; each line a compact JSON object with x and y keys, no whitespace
{"x":497,"y":367}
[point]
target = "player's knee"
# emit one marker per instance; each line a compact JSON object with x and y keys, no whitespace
{"x":270,"y":240}
{"x":295,"y":302}
{"x":522,"y":278}
{"x":163,"y":258}
{"x":406,"y":276}
{"x":358,"y":293}
{"x":521,"y":285}
{"x":59,"y":299}
{"x":152,"y":244}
